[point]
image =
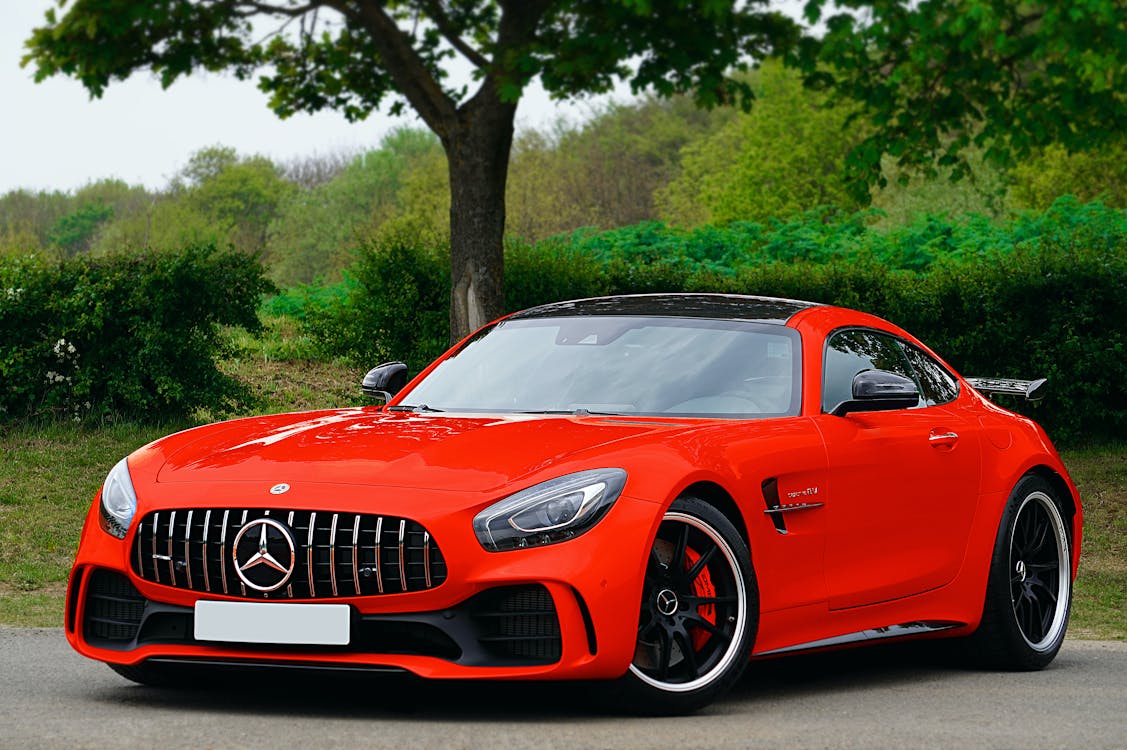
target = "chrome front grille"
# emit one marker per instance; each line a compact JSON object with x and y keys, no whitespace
{"x":335,"y":554}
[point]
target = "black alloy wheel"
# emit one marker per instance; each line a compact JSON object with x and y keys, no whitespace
{"x":699,"y":612}
{"x":1039,"y":571}
{"x":1029,"y":592}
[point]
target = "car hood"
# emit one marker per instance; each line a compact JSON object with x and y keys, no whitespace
{"x":467,"y":453}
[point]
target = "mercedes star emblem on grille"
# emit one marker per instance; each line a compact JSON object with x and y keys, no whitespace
{"x":264,"y":554}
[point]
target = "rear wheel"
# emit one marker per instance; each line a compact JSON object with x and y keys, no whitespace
{"x":699,"y":612}
{"x":1029,"y":592}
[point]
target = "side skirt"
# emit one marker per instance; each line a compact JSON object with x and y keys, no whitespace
{"x":875,"y":634}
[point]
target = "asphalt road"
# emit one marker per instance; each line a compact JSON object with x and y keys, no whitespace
{"x":884,"y":698}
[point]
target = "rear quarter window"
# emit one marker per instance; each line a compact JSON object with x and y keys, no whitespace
{"x":937,"y":385}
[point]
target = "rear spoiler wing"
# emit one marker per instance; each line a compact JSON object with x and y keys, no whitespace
{"x":1032,"y":390}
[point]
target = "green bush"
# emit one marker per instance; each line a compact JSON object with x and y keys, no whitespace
{"x":395,"y":307}
{"x":130,"y":336}
{"x":298,"y":301}
{"x":1043,"y":296}
{"x":1054,"y":309}
{"x":826,"y":234}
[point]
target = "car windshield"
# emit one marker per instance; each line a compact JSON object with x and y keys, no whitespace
{"x":691,"y":367}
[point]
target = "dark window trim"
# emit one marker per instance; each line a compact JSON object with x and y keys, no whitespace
{"x":954,"y":378}
{"x":899,"y":341}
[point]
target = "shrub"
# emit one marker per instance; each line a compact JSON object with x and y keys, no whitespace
{"x":395,"y":308}
{"x":1043,"y":296}
{"x":550,"y":271}
{"x":1052,"y":308}
{"x":298,"y":301}
{"x":132,"y":336}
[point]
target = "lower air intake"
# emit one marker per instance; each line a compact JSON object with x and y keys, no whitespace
{"x":113,"y":609}
{"x":518,"y":622}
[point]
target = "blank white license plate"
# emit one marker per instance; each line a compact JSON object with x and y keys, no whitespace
{"x":261,"y":622}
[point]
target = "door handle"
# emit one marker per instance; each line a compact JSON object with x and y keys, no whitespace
{"x":943,"y":439}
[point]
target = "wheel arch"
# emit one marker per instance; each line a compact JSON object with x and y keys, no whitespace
{"x":1071,"y":508}
{"x":1057,"y":482}
{"x":722,"y":500}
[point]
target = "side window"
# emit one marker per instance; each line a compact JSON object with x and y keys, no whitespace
{"x":850,"y":352}
{"x":938,"y":385}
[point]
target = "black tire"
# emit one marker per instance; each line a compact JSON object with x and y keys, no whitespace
{"x":698,"y":616}
{"x":1029,"y":591}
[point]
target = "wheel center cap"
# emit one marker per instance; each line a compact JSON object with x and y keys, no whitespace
{"x":1020,"y":569}
{"x":666,"y":602}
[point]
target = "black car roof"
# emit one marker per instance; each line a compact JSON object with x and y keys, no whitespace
{"x":725,"y":306}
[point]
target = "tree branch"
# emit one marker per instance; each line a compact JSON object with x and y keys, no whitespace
{"x":403,"y":63}
{"x":293,"y":11}
{"x":517,"y":27}
{"x":519,"y":19}
{"x":442,"y":23}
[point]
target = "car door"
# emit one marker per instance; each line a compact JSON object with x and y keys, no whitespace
{"x":903,"y":484}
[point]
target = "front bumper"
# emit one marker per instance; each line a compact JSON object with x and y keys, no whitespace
{"x":564,"y":611}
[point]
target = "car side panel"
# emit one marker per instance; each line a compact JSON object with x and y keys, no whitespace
{"x":1014,"y":446}
{"x":901,"y":504}
{"x":1010,"y":446}
{"x":788,"y":457}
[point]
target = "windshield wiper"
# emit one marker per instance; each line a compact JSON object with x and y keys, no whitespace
{"x":415,"y":408}
{"x":580,"y":412}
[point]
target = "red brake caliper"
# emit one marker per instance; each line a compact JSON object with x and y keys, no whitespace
{"x":702,"y":587}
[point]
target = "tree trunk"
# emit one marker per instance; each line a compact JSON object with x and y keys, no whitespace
{"x":477,"y":152}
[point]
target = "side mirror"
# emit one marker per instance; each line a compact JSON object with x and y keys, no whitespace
{"x":879,"y":390}
{"x":384,"y":381}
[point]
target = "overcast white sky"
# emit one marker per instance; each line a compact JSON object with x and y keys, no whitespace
{"x":54,"y":137}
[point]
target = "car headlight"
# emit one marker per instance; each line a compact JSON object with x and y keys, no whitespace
{"x":549,"y":512}
{"x":119,"y":501}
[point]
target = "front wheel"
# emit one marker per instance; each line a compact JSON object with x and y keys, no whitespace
{"x":698,"y":617}
{"x":1029,"y":592}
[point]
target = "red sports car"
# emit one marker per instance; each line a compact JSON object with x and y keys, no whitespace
{"x":645,"y":490}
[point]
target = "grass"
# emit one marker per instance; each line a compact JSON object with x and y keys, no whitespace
{"x":1100,"y":600}
{"x":284,"y":373}
{"x":49,"y":473}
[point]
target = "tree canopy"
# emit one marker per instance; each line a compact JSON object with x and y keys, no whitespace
{"x":357,"y":55}
{"x":931,"y":78}
{"x":784,"y":157}
{"x":938,"y":78}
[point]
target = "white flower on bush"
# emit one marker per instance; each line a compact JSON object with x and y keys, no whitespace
{"x":64,"y":350}
{"x":14,"y":293}
{"x":66,"y":356}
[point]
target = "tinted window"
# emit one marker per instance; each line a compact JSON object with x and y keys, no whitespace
{"x":938,"y":385}
{"x":621,"y":365}
{"x":850,"y":352}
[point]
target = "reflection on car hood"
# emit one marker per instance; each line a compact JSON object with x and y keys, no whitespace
{"x":469,"y":453}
